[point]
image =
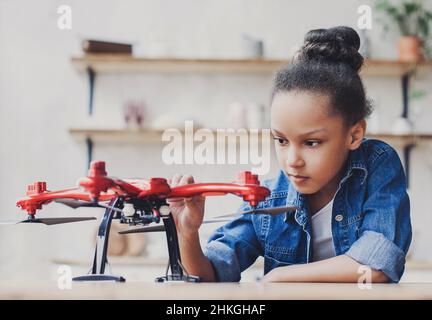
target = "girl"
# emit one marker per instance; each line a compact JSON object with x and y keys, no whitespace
{"x":351,"y":192}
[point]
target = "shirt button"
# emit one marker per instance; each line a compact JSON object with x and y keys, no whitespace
{"x":339,"y":218}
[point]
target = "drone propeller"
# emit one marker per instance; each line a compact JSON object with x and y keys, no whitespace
{"x":74,"y":204}
{"x":49,"y":221}
{"x":160,"y":228}
{"x":157,"y":228}
{"x":276,"y":210}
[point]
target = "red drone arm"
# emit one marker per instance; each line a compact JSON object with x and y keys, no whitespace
{"x":98,"y":186}
{"x":37,"y":195}
{"x":248,"y":188}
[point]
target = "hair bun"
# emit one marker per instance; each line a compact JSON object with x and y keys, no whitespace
{"x":338,"y":44}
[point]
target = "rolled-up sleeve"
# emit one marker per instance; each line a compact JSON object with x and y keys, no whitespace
{"x":376,"y":251}
{"x":233,"y":248}
{"x":385,"y":233}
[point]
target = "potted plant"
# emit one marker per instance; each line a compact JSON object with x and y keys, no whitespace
{"x":413,"y":20}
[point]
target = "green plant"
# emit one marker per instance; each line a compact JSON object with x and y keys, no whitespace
{"x":417,"y":94}
{"x":412,"y":18}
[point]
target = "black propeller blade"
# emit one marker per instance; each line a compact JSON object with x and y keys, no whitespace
{"x":49,"y":221}
{"x":276,"y":210}
{"x":72,"y":203}
{"x":159,"y":228}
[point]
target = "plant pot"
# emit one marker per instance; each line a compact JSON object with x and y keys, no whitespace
{"x":410,"y":49}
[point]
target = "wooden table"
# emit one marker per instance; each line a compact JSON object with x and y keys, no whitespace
{"x":204,"y":291}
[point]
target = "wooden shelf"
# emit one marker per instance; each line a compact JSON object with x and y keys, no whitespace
{"x":120,"y":63}
{"x":403,"y":139}
{"x":116,"y":135}
{"x":148,"y":135}
{"x":126,"y":63}
{"x":393,"y":68}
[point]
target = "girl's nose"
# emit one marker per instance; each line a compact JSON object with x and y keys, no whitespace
{"x":294,"y":160}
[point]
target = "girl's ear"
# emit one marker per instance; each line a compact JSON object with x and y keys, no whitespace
{"x":356,"y":134}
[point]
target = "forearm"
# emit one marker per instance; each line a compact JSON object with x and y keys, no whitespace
{"x":193,"y":258}
{"x":337,"y":269}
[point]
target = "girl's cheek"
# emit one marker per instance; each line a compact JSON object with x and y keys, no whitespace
{"x":280,"y":157}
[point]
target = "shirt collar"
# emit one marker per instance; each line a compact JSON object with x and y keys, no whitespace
{"x":357,"y":161}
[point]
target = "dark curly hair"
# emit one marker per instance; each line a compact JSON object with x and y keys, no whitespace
{"x":328,"y":63}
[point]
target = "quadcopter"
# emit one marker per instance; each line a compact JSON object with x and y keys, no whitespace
{"x":137,"y":202}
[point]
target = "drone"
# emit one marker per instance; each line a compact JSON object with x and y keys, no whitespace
{"x":137,"y":202}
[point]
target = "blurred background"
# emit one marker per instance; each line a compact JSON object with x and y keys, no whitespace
{"x":63,"y":103}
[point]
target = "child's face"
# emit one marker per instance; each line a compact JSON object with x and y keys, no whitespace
{"x":309,"y":142}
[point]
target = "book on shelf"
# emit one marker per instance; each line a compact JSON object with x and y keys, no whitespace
{"x":91,"y":46}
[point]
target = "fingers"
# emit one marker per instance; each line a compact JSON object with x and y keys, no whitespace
{"x":180,"y":180}
{"x":195,"y":198}
{"x":175,"y":180}
{"x":186,"y":179}
{"x":174,"y":200}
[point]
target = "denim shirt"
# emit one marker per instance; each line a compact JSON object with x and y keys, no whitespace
{"x":370,"y":220}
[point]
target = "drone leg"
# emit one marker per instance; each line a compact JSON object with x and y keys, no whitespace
{"x":100,"y":257}
{"x":175,"y":264}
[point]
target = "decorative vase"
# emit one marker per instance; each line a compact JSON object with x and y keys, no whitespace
{"x":410,"y":49}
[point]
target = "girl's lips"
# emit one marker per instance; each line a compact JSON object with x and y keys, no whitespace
{"x":298,"y":179}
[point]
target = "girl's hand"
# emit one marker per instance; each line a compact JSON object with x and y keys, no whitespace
{"x":188,"y":213}
{"x":272,"y":276}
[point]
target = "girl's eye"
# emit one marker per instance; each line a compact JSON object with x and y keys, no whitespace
{"x":280,"y":141}
{"x":312,"y":143}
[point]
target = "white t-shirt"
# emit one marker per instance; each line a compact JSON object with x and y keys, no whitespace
{"x":322,"y":238}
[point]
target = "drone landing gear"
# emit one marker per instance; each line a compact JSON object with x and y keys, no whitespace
{"x":100,"y":258}
{"x":177,"y":276}
{"x":99,"y":277}
{"x":179,"y":273}
{"x":183,"y":278}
